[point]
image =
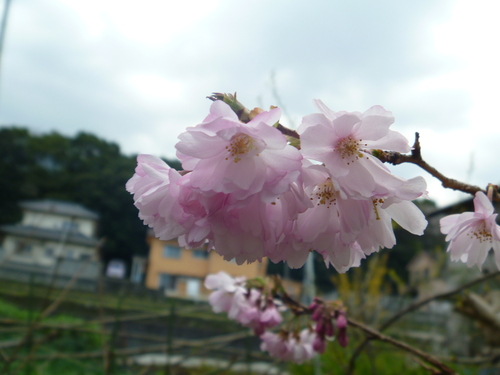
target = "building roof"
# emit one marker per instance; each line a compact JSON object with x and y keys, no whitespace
{"x":73,"y":237}
{"x":59,"y":207}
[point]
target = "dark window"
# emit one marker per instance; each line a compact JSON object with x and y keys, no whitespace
{"x":200,"y":254}
{"x":168,"y":282}
{"x":170,"y":251}
{"x":23,"y":248}
{"x":70,"y":226}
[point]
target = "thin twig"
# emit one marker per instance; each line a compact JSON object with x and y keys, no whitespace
{"x":244,"y":114}
{"x":178,"y":343}
{"x":34,"y":345}
{"x":415,"y":157}
{"x":416,"y":306}
{"x":477,"y":361}
{"x":53,"y":306}
{"x":425,"y":301}
{"x":403,"y":346}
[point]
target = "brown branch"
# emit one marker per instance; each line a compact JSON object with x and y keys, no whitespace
{"x":419,"y":304}
{"x":403,"y":346}
{"x":241,"y":111}
{"x":288,"y":132}
{"x":477,"y":361}
{"x":244,"y":114}
{"x":415,"y":157}
{"x":416,"y":306}
{"x":55,"y":304}
{"x":395,"y":158}
{"x":34,"y":344}
{"x":178,"y":343}
{"x":185,"y":311}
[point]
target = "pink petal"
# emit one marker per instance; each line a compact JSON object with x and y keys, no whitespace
{"x":323,"y":108}
{"x":408,"y":216}
{"x":343,"y":125}
{"x":392,"y":141}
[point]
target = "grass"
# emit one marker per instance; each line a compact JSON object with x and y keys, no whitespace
{"x":380,"y":358}
{"x":21,"y":304}
{"x":89,"y":299}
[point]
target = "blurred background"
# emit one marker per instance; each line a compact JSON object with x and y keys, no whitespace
{"x":86,"y":86}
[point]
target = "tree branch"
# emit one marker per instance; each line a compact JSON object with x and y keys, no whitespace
{"x":415,"y":157}
{"x":416,"y":306}
{"x":403,"y":346}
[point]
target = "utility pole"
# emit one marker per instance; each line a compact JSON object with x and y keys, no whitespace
{"x":3,"y":27}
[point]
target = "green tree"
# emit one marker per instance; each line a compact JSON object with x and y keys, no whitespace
{"x":83,"y":169}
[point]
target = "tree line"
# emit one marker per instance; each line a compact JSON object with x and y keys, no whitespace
{"x":83,"y":169}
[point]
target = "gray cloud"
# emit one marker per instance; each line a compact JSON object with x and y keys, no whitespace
{"x":57,"y":75}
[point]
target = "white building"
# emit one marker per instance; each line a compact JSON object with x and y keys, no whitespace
{"x":50,"y":231}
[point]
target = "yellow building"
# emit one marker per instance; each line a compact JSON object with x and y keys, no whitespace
{"x":181,"y":272}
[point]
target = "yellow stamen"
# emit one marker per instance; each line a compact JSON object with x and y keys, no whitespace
{"x":240,"y":144}
{"x":325,"y":193}
{"x":349,"y":149}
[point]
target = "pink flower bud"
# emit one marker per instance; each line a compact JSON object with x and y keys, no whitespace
{"x":342,"y":337}
{"x":319,"y":344}
{"x":341,"y":321}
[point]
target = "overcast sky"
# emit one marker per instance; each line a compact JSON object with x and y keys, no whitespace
{"x":137,"y":73}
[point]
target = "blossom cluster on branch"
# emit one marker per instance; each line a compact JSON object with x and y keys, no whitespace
{"x":259,"y":304}
{"x":249,"y":193}
{"x":473,"y":234}
{"x":252,"y":188}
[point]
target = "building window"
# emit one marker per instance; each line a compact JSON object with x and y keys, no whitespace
{"x":168,"y":282}
{"x":170,"y":251}
{"x":70,"y":226}
{"x":22,"y":248}
{"x":200,"y":254}
{"x":193,"y":287}
{"x":427,"y":273}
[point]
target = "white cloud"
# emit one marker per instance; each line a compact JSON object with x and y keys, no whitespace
{"x":138,"y":73}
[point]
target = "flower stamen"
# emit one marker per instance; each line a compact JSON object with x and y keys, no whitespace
{"x":240,"y":144}
{"x":325,"y":193}
{"x":481,"y":233}
{"x":349,"y":149}
{"x":376,"y":202}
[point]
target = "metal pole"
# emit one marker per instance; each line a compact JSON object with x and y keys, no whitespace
{"x":3,"y":27}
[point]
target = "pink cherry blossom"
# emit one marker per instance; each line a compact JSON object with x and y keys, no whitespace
{"x":276,"y":345}
{"x":290,"y":346}
{"x":156,"y":196}
{"x":380,"y":233}
{"x":473,"y":234}
{"x":249,"y":195}
{"x":344,"y":142}
{"x":228,"y":156}
{"x":224,"y":288}
{"x":251,"y":308}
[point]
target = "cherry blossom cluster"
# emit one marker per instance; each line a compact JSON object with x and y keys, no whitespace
{"x":248,"y":192}
{"x":473,"y":234}
{"x":260,"y":305}
{"x":250,"y":307}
